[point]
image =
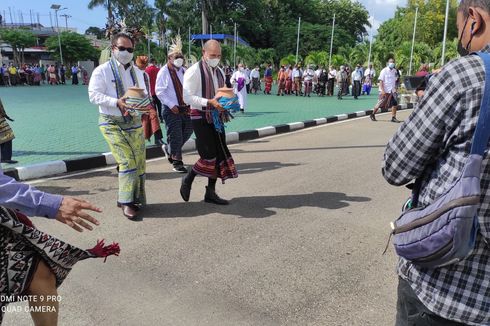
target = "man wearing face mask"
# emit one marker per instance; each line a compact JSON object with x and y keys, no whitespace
{"x":432,"y":145}
{"x":175,"y":111}
{"x":239,"y":80}
{"x":387,"y":91}
{"x":120,"y":127}
{"x":201,"y":83}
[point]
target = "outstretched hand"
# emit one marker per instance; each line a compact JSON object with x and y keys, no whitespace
{"x":72,"y":213}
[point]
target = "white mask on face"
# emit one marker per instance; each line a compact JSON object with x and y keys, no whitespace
{"x":241,"y":69}
{"x":124,"y":57}
{"x":213,"y":63}
{"x":178,"y":62}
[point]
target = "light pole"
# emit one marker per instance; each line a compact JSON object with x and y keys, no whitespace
{"x":56,"y":8}
{"x":297,"y":40}
{"x":331,"y":42}
{"x":443,"y":59}
{"x":413,"y":40}
{"x":66,"y":20}
{"x":370,"y":43}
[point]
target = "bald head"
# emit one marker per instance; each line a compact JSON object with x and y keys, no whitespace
{"x":211,"y":50}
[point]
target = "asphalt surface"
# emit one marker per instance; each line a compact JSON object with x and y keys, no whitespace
{"x":300,"y":243}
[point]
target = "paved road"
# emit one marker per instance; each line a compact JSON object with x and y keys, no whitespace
{"x":300,"y":244}
{"x":58,"y":122}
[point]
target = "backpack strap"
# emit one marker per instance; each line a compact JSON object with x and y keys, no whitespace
{"x":482,"y":131}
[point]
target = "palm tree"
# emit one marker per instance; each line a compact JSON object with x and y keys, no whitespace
{"x":106,"y":4}
{"x":317,"y":58}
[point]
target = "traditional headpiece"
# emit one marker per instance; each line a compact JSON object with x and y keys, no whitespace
{"x":176,"y":46}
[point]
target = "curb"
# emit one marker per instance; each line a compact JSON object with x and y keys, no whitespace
{"x":52,"y":168}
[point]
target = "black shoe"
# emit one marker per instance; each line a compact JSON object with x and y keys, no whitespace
{"x":242,"y":110}
{"x":179,"y":167}
{"x":212,"y":197}
{"x":10,"y":161}
{"x":185,"y":190}
{"x":395,"y":120}
{"x":373,"y":118}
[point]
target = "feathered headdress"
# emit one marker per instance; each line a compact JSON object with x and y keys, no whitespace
{"x":176,"y":46}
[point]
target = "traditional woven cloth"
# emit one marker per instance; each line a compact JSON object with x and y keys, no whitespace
{"x":6,"y":133}
{"x":22,"y":246}
{"x":127,"y":145}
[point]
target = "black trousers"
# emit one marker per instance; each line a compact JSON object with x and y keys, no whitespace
{"x":410,"y":311}
{"x":356,"y":88}
{"x":6,"y":150}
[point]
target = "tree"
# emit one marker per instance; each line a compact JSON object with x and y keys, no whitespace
{"x":18,"y":39}
{"x":317,"y":58}
{"x":97,"y":32}
{"x":108,"y":4}
{"x":75,"y":47}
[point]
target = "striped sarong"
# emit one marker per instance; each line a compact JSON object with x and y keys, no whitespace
{"x":127,"y":145}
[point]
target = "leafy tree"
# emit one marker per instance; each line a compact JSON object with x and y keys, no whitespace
{"x":75,"y":47}
{"x":18,"y":39}
{"x":96,"y":31}
{"x":317,"y":58}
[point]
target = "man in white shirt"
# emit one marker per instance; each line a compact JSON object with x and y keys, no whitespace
{"x":332,"y":75}
{"x":388,"y":79}
{"x":201,"y":83}
{"x":356,"y":81}
{"x":308,"y":80}
{"x":296,"y":80}
{"x":255,"y":76}
{"x":121,"y":126}
{"x":176,"y":113}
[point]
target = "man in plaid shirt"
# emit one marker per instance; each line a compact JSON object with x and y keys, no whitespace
{"x":434,"y":143}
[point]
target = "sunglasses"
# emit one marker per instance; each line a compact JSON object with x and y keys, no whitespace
{"x":122,"y":48}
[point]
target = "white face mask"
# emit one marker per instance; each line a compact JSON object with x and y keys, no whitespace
{"x":213,"y":63}
{"x":241,"y":69}
{"x":391,"y":65}
{"x":124,"y":57}
{"x":178,"y":62}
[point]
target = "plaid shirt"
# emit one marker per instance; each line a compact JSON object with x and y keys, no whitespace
{"x":433,"y":143}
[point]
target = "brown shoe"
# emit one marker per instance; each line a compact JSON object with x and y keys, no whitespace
{"x":129,"y":212}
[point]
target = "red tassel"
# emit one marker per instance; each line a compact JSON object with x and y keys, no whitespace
{"x":100,"y":250}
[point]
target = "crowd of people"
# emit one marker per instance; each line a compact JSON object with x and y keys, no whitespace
{"x":36,"y":74}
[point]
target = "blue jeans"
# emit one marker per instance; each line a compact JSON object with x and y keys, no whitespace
{"x":179,"y":130}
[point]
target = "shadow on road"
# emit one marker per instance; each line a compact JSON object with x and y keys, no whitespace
{"x":306,"y":149}
{"x":243,"y":168}
{"x":252,"y":207}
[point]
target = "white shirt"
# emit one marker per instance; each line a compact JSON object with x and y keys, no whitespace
{"x":356,"y":75}
{"x":388,"y":77}
{"x":102,"y":87}
{"x":309,"y":74}
{"x":371,"y":72}
{"x":318,"y":72}
{"x":193,"y":87}
{"x":164,"y":86}
{"x":296,"y":73}
{"x":332,"y":74}
{"x":255,"y":73}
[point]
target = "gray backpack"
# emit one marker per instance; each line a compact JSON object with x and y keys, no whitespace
{"x":445,"y":231}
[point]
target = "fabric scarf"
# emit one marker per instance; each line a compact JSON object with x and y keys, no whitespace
{"x":240,"y":83}
{"x":177,"y":84}
{"x":208,"y":90}
{"x":120,"y":89}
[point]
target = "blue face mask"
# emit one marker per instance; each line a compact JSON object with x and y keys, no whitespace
{"x":391,"y":65}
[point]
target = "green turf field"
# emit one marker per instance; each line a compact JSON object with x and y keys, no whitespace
{"x":58,"y":122}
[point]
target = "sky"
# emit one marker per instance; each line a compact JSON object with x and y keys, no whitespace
{"x":82,"y":17}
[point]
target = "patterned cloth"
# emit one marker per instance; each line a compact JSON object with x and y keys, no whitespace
{"x":433,"y":143}
{"x":6,"y":133}
{"x":127,"y":144}
{"x":22,"y":246}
